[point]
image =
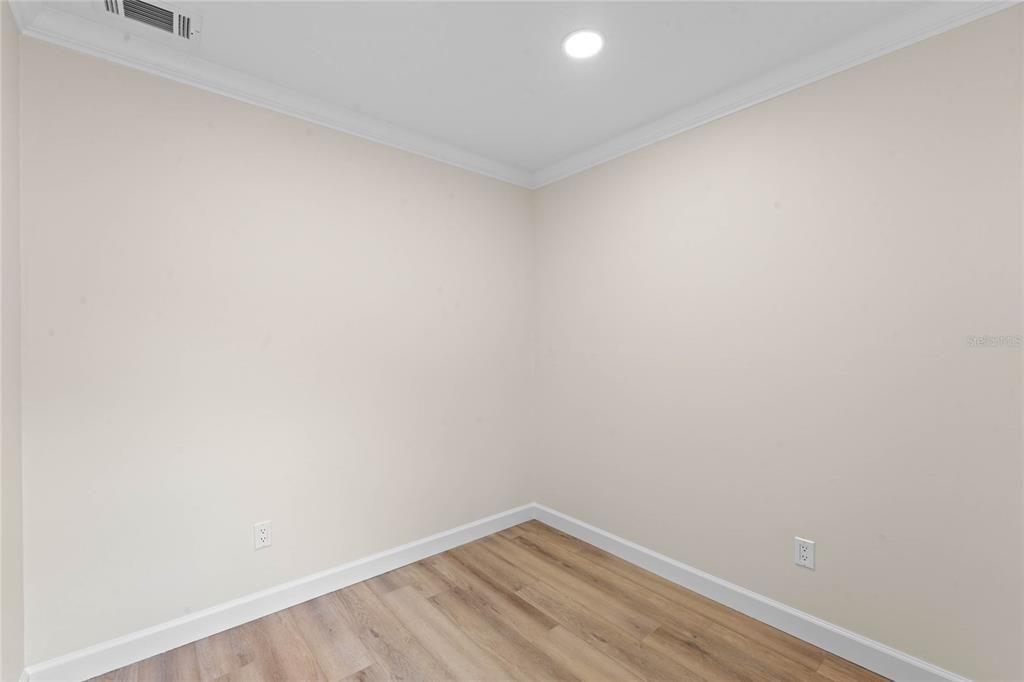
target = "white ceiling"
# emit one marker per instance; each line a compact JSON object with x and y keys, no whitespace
{"x":485,"y":85}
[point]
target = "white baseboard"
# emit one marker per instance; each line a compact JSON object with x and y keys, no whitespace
{"x":116,"y":653}
{"x":865,"y":652}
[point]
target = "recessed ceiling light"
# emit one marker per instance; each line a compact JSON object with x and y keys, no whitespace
{"x":583,"y":44}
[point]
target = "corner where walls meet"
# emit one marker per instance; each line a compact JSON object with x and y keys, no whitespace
{"x":754,"y":330}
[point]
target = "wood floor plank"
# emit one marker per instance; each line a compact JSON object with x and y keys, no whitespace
{"x":692,"y":625}
{"x":511,"y":533}
{"x":499,"y":620}
{"x":257,"y":670}
{"x":629,"y":619}
{"x":373,"y":673}
{"x":336,"y":648}
{"x":527,"y":603}
{"x":492,"y":568}
{"x":618,"y":644}
{"x":795,"y":649}
{"x":390,"y":642}
{"x":386,"y":582}
{"x":245,"y":652}
{"x":583,"y":660}
{"x":285,"y":650}
{"x":225,"y":652}
{"x":564,"y":542}
{"x":413,"y":575}
{"x":518,"y":653}
{"x":447,"y":568}
{"x":427,"y":582}
{"x":497,"y":603}
{"x":690,"y":652}
{"x":777,"y":663}
{"x":710,"y":655}
{"x":442,"y":637}
{"x":638,"y":598}
{"x":835,"y":669}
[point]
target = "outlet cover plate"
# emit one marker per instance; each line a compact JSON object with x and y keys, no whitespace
{"x":261,"y":535}
{"x":803,"y":552}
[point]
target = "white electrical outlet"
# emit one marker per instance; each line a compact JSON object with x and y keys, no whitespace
{"x":803,"y":553}
{"x":261,"y":536}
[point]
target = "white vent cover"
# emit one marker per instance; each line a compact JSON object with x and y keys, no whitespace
{"x":160,"y":16}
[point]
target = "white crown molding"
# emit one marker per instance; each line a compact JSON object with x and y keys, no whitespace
{"x":24,"y":13}
{"x":117,"y":653}
{"x":931,"y":20}
{"x":107,"y":42}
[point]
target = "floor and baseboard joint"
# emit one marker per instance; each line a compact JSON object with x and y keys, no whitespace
{"x":122,"y":651}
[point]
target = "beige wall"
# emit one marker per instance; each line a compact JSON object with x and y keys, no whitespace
{"x":11,"y":597}
{"x":758,"y":329}
{"x":754,"y":330}
{"x":232,"y":316}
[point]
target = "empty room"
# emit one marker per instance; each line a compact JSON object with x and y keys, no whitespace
{"x":350,"y":341}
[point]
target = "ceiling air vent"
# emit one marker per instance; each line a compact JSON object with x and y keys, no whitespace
{"x":162,"y":17}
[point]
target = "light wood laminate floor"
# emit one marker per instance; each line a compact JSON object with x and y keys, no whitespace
{"x":529,"y":603}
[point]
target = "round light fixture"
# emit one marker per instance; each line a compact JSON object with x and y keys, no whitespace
{"x":583,"y":44}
